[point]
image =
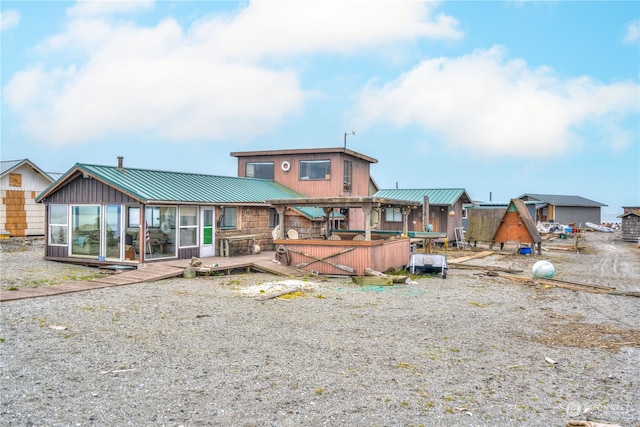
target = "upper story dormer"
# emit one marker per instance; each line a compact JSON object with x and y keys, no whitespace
{"x":314,"y":172}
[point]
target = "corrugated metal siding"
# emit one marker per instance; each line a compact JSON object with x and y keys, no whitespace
{"x":577,"y":215}
{"x":84,"y":190}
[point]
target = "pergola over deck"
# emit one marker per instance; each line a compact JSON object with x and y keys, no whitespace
{"x":324,"y":256}
{"x":328,"y":204}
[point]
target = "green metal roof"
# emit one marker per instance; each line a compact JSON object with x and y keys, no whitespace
{"x":437,"y":196}
{"x":314,"y":213}
{"x":149,"y":186}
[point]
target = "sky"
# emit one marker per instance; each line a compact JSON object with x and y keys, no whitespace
{"x":501,"y":98}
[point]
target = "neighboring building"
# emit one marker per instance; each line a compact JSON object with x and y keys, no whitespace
{"x":483,"y":219}
{"x":317,"y":172}
{"x":22,"y":181}
{"x":445,"y":209}
{"x":103,"y":213}
{"x":630,"y":209}
{"x":630,"y":227}
{"x":517,"y":226}
{"x":565,"y":209}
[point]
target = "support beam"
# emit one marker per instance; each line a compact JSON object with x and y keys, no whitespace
{"x":280,"y":209}
{"x":366,"y":208}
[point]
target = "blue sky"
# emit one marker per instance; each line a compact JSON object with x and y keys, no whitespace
{"x":500,"y":98}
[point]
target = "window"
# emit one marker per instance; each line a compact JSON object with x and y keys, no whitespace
{"x":393,"y":215}
{"x":227,"y":220}
{"x":133,"y":218}
{"x":315,"y":169}
{"x":273,"y":218}
{"x":152,"y":215}
{"x":58,"y":225}
{"x":188,"y":226}
{"x":262,"y":170}
{"x":348,"y":171}
{"x":85,"y":229}
{"x":464,"y":211}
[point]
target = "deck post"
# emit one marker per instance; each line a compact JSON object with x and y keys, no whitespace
{"x":280,"y":210}
{"x":405,"y":220}
{"x":366,"y":208}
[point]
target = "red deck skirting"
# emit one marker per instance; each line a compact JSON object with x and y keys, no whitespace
{"x":379,"y":255}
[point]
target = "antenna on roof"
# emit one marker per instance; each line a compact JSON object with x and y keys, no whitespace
{"x":345,"y":138}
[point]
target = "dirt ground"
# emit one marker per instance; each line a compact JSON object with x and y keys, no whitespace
{"x":475,"y":349}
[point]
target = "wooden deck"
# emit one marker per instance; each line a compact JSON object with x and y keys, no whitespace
{"x":152,"y":271}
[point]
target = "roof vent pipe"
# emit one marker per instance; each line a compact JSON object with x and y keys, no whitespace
{"x":120,"y":159}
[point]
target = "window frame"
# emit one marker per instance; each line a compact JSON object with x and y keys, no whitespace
{"x":273,"y":218}
{"x":63,"y":226}
{"x":188,"y":228}
{"x":304,"y":167}
{"x":228,"y":218}
{"x":396,"y":215}
{"x":348,"y":175}
{"x":253,"y":174}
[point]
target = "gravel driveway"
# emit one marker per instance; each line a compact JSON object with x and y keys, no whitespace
{"x":471,"y":350}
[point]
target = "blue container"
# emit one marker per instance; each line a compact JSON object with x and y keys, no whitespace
{"x":524,"y":251}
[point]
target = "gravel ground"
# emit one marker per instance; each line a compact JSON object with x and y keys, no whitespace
{"x":471,"y":350}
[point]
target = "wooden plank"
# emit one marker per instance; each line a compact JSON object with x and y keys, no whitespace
{"x":372,"y":280}
{"x":278,"y":269}
{"x":470,"y":257}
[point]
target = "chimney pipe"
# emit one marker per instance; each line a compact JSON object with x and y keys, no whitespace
{"x":120,"y":159}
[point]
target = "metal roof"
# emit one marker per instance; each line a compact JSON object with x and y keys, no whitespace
{"x":7,"y":166}
{"x":437,"y":196}
{"x":303,"y":151}
{"x":154,"y":186}
{"x":560,"y":200}
{"x":313,"y":212}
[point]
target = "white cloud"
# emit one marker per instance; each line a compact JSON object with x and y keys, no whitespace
{"x":205,"y":82}
{"x":632,"y":36}
{"x":288,"y":28}
{"x":9,"y":19}
{"x":486,"y":105}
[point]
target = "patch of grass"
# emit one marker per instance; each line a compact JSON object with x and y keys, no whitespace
{"x":292,"y":295}
{"x":477,"y":304}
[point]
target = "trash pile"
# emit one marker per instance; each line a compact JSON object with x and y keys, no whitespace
{"x":554,"y":228}
{"x":273,"y":288}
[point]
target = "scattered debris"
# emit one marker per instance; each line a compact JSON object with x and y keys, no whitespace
{"x":58,"y":327}
{"x":270,"y":290}
{"x":596,"y":289}
{"x":580,"y":423}
{"x":587,"y":335}
{"x":550,"y":361}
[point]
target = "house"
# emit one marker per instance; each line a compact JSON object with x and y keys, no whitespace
{"x":21,"y":182}
{"x":565,"y":209}
{"x":445,"y":209}
{"x":630,"y":227}
{"x":317,"y":172}
{"x":116,"y":214}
